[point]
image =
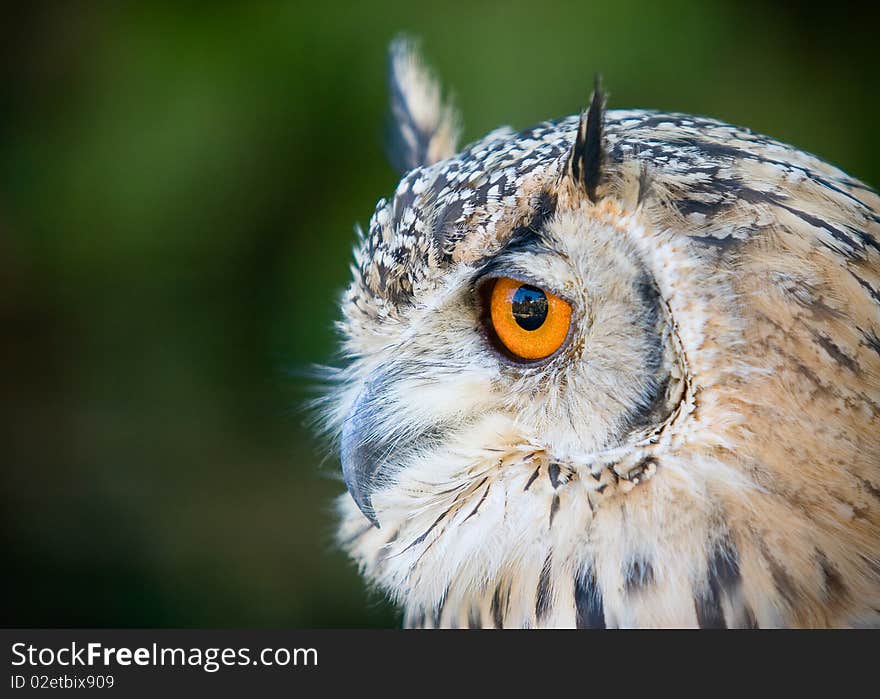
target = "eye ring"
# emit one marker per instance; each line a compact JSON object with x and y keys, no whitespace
{"x":526,"y":322}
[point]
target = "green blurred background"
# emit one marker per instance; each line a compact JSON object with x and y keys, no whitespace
{"x":178,"y":189}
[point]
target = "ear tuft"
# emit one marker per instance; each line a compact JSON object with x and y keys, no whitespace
{"x":584,"y":165}
{"x":423,"y":128}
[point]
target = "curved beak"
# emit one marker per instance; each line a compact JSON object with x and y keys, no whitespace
{"x":375,"y":442}
{"x":361,"y":453}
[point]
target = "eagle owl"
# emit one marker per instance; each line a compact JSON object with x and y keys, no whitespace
{"x":620,"y":369}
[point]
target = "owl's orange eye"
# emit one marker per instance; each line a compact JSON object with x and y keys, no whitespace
{"x":531,"y":323}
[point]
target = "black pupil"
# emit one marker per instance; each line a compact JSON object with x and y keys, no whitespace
{"x":529,"y":307}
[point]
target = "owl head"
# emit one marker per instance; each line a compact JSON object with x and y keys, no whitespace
{"x":591,"y":367}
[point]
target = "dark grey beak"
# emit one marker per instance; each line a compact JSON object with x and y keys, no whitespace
{"x":361,"y":456}
{"x":373,"y":448}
